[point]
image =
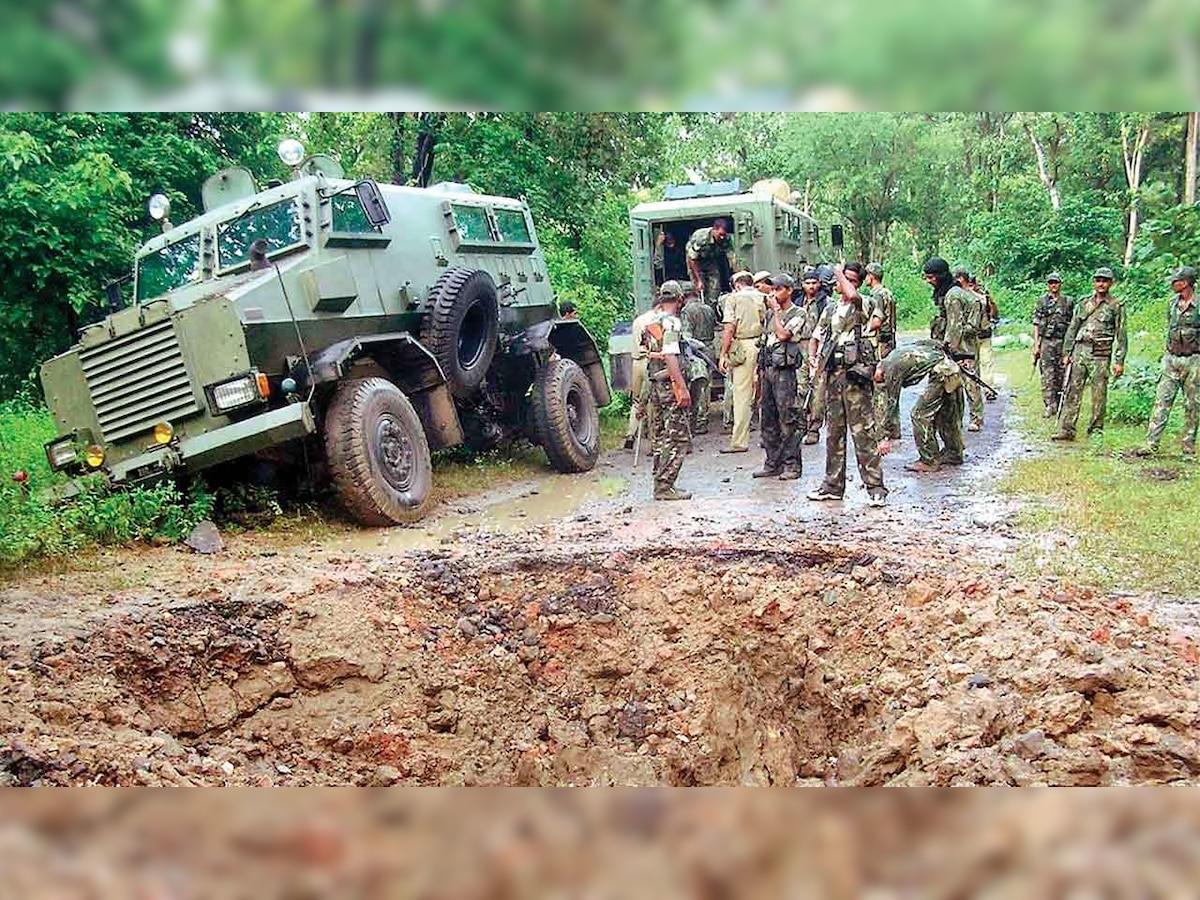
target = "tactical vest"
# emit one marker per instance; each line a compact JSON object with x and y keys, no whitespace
{"x":1054,"y":318}
{"x":1183,"y":328}
{"x":784,"y":354}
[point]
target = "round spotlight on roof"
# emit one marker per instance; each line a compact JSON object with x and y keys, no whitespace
{"x":159,"y":206}
{"x":291,"y":151}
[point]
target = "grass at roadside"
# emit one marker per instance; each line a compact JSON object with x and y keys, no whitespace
{"x":1097,"y":513}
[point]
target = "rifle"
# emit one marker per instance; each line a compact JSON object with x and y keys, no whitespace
{"x":1066,"y":380}
{"x":971,"y":376}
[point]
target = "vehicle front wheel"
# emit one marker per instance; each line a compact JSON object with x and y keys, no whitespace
{"x":378,"y":455}
{"x":566,"y":418}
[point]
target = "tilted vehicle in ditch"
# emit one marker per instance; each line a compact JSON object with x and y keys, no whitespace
{"x":358,"y":324}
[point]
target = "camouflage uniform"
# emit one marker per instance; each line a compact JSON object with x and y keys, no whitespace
{"x":1180,"y":370}
{"x":1051,"y":317}
{"x":671,"y":433}
{"x":964,"y":310}
{"x":816,"y":404}
{"x":884,"y":303}
{"x":937,"y":325}
{"x":849,"y":403}
{"x":938,"y":412}
{"x":782,"y":416}
{"x":902,"y":368}
{"x":699,"y":323}
{"x":1095,"y":340}
{"x":638,"y":386}
{"x":707,"y":252}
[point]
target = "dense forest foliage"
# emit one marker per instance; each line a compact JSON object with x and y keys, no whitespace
{"x":1011,"y":194}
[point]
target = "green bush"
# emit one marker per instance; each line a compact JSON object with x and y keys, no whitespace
{"x":1131,"y":397}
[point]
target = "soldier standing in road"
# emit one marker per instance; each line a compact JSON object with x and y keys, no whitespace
{"x":814,"y":301}
{"x":782,"y":356}
{"x":991,"y":317}
{"x":1095,"y":344}
{"x":882,"y":327}
{"x":699,"y":324}
{"x":639,"y":356}
{"x":670,"y":400}
{"x":845,"y":360}
{"x":1180,"y":364}
{"x":739,"y":355}
{"x":939,"y":410}
{"x":1051,"y":316}
{"x":707,"y":250}
{"x":962,"y":337}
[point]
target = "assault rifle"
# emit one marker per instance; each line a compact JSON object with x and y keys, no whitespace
{"x":991,"y":392}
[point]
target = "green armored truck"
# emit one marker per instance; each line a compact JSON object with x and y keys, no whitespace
{"x":767,"y":233}
{"x":357,"y":325}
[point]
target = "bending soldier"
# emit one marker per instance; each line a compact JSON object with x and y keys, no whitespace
{"x":841,"y":356}
{"x":670,"y":400}
{"x":1095,"y":344}
{"x":1180,"y":364}
{"x":782,"y":356}
{"x":938,"y":411}
{"x":708,"y":250}
{"x":1051,"y":316}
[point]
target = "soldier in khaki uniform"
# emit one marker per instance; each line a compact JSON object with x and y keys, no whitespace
{"x":1096,"y":345}
{"x":704,"y":252}
{"x":1180,"y":364}
{"x":1051,"y":317}
{"x":743,"y":321}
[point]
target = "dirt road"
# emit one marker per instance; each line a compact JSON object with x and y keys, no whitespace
{"x":571,"y":631}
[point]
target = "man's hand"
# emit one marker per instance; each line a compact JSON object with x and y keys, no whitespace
{"x":638,"y":409}
{"x":660,"y":239}
{"x":879,"y":373}
{"x":723,"y":364}
{"x":885,"y":447}
{"x":773,"y":302}
{"x":683,"y":399}
{"x":1117,"y":369}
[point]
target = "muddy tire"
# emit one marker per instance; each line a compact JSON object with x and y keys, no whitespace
{"x":566,"y":419}
{"x":462,"y":328}
{"x":377,"y":452}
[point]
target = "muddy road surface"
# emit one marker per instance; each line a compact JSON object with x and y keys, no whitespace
{"x":571,"y":631}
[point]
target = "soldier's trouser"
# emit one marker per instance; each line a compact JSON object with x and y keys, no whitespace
{"x":974,"y":391}
{"x":781,"y":419}
{"x":1178,"y":373}
{"x":887,"y":415}
{"x":670,"y":436}
{"x":986,"y":360}
{"x":700,"y":389}
{"x":938,"y":414}
{"x":1085,"y":368}
{"x":816,"y":412}
{"x":637,"y":382}
{"x":743,"y":394}
{"x":849,"y":407}
{"x":711,"y":276}
{"x":1050,"y":366}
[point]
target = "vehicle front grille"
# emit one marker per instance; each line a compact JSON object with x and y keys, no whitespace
{"x":138,"y":381}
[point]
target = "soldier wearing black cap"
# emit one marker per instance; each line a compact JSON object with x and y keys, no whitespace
{"x":1051,"y":316}
{"x":937,"y":276}
{"x":1095,"y":345}
{"x":1180,"y":364}
{"x":782,"y":355}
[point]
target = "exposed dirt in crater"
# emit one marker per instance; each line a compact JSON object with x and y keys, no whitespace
{"x":754,"y":658}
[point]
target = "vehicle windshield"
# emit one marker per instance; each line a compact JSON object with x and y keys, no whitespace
{"x":278,"y":225}
{"x":173,"y":266}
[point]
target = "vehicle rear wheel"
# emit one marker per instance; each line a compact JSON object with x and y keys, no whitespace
{"x":463,"y":327}
{"x":566,"y":418}
{"x":378,"y":455}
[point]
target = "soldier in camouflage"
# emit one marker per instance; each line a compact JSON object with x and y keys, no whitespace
{"x":937,"y":276}
{"x":882,"y":327}
{"x":1095,"y":344}
{"x":670,"y":400}
{"x":782,"y":355}
{"x":965,"y":314}
{"x":1180,"y":364}
{"x":814,"y":300}
{"x":937,"y":413}
{"x":699,"y":323}
{"x":846,"y":361}
{"x":1051,"y":316}
{"x":706,"y":249}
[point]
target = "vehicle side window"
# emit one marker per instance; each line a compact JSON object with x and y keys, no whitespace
{"x":279,"y":225}
{"x":472,"y":223}
{"x":514,"y":229}
{"x":348,"y":214}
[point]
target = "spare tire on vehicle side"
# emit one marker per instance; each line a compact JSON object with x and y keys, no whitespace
{"x":566,"y":419}
{"x":378,"y":454}
{"x":462,"y":328}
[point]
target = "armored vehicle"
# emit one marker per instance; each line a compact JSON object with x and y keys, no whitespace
{"x":767,"y":232}
{"x":355,"y":324}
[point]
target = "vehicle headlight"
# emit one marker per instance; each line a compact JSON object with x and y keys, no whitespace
{"x":62,"y":453}
{"x":94,"y":456}
{"x":163,"y":432}
{"x":240,"y":391}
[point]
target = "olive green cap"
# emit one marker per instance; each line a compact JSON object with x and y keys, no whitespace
{"x":670,"y":290}
{"x":1104,"y":272}
{"x":1054,"y":276}
{"x":1184,"y":273}
{"x":875,"y":269}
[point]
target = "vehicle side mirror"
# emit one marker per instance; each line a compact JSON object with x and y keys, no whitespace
{"x":372,"y":202}
{"x":837,"y":237}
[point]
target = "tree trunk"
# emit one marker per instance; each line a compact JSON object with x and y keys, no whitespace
{"x":1132,"y":154}
{"x":1189,"y":177}
{"x":427,"y":127}
{"x":1044,"y":172}
{"x":396,"y":147}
